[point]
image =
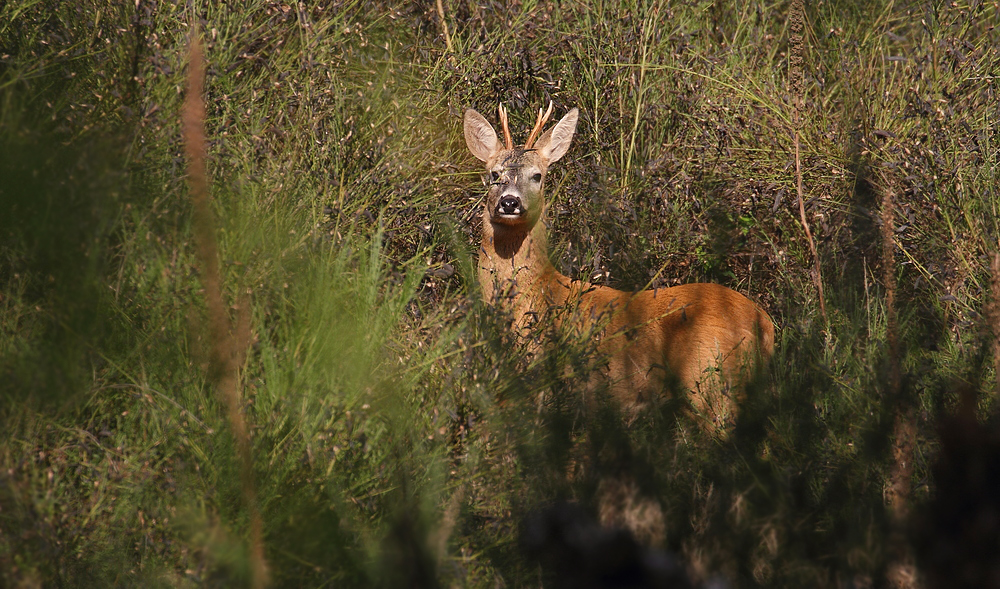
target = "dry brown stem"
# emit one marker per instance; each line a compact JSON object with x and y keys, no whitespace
{"x":439,"y":538}
{"x":993,"y":316}
{"x":228,"y":345}
{"x":444,"y":26}
{"x":796,"y":18}
{"x":904,"y":428}
{"x":904,"y":432}
{"x":889,"y":281}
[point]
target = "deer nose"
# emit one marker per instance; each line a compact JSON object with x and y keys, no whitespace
{"x":509,"y":205}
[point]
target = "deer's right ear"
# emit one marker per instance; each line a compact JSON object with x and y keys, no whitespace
{"x":480,"y":136}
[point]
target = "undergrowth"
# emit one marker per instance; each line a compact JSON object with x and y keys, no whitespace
{"x":401,"y":434}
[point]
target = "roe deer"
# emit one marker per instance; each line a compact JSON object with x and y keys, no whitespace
{"x":704,"y":338}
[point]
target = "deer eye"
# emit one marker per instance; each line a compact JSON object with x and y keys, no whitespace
{"x":537,"y":177}
{"x":494,"y":176}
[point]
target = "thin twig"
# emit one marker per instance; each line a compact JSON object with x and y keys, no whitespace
{"x":902,"y":448}
{"x":228,"y":346}
{"x":444,"y":26}
{"x":904,"y":430}
{"x":439,"y":538}
{"x":796,"y":19}
{"x":994,"y":317}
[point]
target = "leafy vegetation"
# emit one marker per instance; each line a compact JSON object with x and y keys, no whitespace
{"x":401,"y":436}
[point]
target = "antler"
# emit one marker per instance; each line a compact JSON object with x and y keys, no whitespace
{"x":539,"y":123}
{"x":506,"y":129}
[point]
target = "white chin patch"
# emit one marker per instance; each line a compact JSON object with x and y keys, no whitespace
{"x":508,"y":218}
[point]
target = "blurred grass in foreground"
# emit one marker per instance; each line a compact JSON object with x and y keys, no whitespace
{"x":400,"y":434}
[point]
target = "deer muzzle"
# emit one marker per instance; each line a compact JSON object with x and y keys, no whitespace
{"x":510,"y":205}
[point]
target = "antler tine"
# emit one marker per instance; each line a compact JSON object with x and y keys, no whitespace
{"x":506,"y":128}
{"x":539,"y":124}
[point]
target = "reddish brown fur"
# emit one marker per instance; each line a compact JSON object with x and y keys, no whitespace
{"x":706,"y":338}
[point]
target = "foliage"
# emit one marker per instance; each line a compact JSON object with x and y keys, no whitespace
{"x":401,"y":433}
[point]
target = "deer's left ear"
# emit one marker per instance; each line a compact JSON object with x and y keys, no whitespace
{"x":554,"y":143}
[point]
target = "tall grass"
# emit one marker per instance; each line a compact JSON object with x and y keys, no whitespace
{"x":398,"y":432}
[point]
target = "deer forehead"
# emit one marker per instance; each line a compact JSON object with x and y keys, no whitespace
{"x":518,"y":161}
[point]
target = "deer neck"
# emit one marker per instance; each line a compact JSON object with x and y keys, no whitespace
{"x":514,"y":266}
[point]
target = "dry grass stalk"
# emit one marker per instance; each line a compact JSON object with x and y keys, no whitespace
{"x":993,"y":316}
{"x":439,"y":538}
{"x":796,"y":18}
{"x":904,"y":428}
{"x":900,"y":572}
{"x":228,"y":345}
{"x":444,"y":26}
{"x":889,"y":281}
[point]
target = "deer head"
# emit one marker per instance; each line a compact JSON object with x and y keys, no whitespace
{"x":517,"y":174}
